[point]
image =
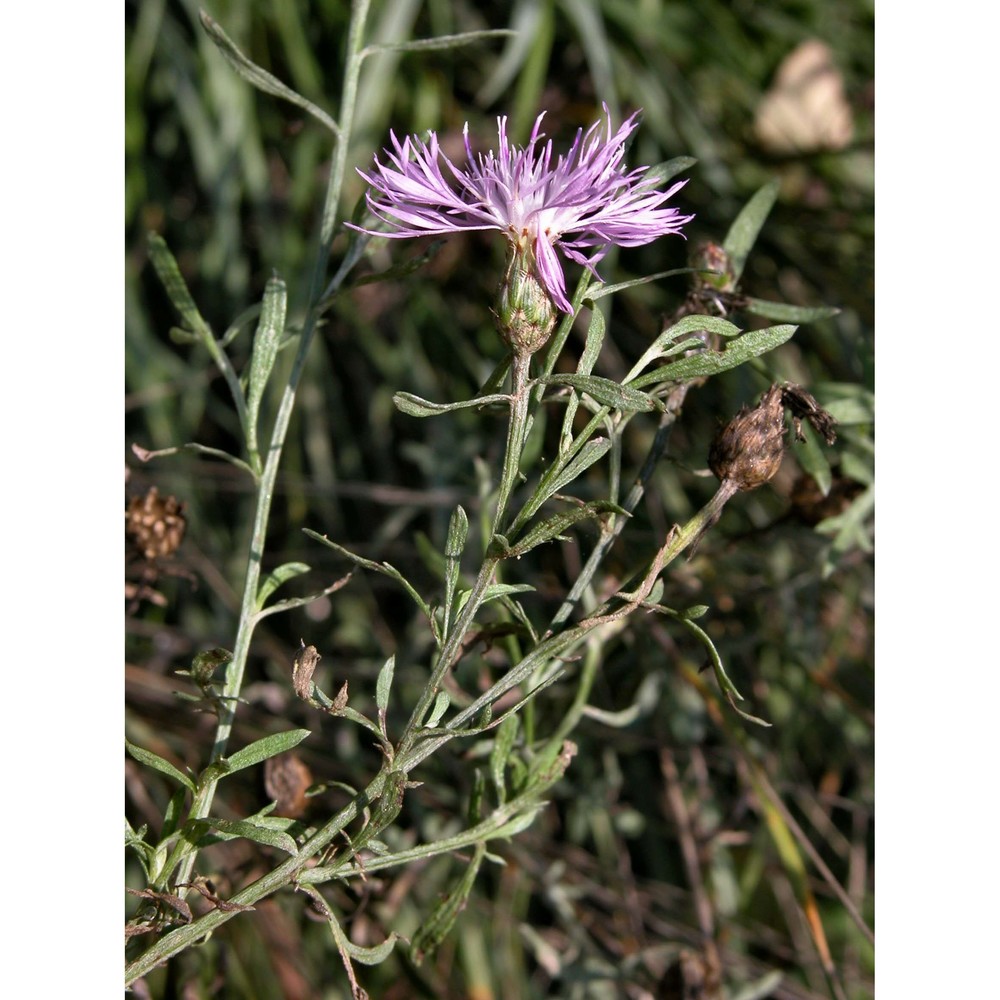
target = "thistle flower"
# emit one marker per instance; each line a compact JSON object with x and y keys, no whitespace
{"x":587,"y":199}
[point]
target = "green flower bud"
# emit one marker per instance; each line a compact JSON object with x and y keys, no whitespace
{"x":712,"y":257}
{"x":525,"y":314}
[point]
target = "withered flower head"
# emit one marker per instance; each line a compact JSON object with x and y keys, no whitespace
{"x":156,"y":524}
{"x":747,"y":452}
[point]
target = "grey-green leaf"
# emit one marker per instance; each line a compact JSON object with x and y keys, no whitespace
{"x":747,"y":226}
{"x":274,"y":579}
{"x":267,"y":339}
{"x":559,"y":475}
{"x":175,"y":286}
{"x":268,"y":746}
{"x":785,"y":313}
{"x":440,"y":42}
{"x":414,"y":406}
{"x":742,"y":349}
{"x":249,"y":831}
{"x":607,"y":392}
{"x":384,"y":684}
{"x":156,"y":762}
{"x":553,"y":527}
{"x":502,"y":747}
{"x":441,"y":919}
{"x":259,"y":77}
{"x":600,"y":291}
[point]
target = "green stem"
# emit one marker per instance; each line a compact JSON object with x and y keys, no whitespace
{"x":184,"y":854}
{"x":451,"y":649}
{"x":516,"y":428}
{"x":183,"y":937}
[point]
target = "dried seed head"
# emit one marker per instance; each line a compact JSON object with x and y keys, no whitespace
{"x":303,"y":668}
{"x":525,"y":313}
{"x":155,"y":524}
{"x":747,"y":452}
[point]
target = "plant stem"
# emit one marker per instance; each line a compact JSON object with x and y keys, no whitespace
{"x":181,"y":938}
{"x":519,"y":396}
{"x":184,"y":853}
{"x":516,"y":427}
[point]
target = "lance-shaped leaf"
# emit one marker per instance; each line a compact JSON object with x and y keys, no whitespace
{"x":259,"y":77}
{"x":439,"y":42}
{"x":785,"y":313}
{"x":670,"y":340}
{"x":382,"y":688}
{"x":458,"y":533}
{"x":414,"y":406}
{"x":403,"y":268}
{"x":156,"y":762}
{"x":267,"y":339}
{"x":600,"y":291}
{"x":502,"y":747}
{"x":591,"y":351}
{"x":742,"y":349}
{"x":607,"y":392}
{"x":747,"y":226}
{"x":175,"y":286}
{"x":386,"y":569}
{"x":553,"y":527}
{"x":562,"y":472}
{"x":721,"y":677}
{"x":274,"y":579}
{"x":268,"y":746}
{"x":442,"y":918}
{"x":228,"y":829}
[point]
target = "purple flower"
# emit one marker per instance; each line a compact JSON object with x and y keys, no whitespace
{"x":587,"y":199}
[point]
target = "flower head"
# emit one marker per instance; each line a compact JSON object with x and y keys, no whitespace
{"x":586,"y":199}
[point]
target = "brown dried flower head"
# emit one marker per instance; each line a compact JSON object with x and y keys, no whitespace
{"x":747,"y":452}
{"x":155,"y":524}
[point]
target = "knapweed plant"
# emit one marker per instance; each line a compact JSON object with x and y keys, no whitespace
{"x":563,"y":470}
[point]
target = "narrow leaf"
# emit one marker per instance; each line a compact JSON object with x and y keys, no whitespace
{"x":441,"y":703}
{"x":414,"y":406}
{"x":259,"y":77}
{"x":274,"y":579}
{"x":156,"y":762}
{"x":785,"y":313}
{"x":560,"y":474}
{"x":175,"y":286}
{"x":268,"y":746}
{"x":742,"y":349}
{"x":439,"y":42}
{"x":376,"y":954}
{"x":386,"y":569}
{"x":670,"y":340}
{"x":384,"y":684}
{"x":230,"y":829}
{"x":458,"y":533}
{"x":553,"y":527}
{"x":607,"y":392}
{"x":267,"y":339}
{"x":600,"y":291}
{"x":441,"y":919}
{"x":747,"y":225}
{"x":658,"y":175}
{"x":502,"y":747}
{"x":403,"y":268}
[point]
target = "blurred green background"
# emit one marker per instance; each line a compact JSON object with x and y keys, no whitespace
{"x":660,"y":838}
